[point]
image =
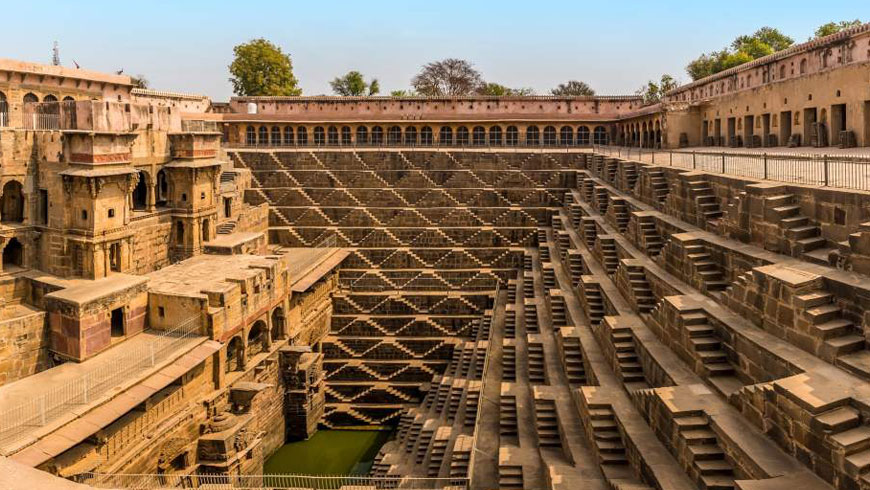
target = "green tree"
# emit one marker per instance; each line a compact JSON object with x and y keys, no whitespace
{"x":573,"y":88}
{"x":353,"y":84}
{"x":653,"y":92}
{"x":762,"y":42}
{"x":835,"y":27}
{"x":261,"y":68}
{"x":402,"y":93}
{"x":448,"y":77}
{"x":139,"y":81}
{"x":497,"y":89}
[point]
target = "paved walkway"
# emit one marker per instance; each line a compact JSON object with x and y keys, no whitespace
{"x":41,"y":401}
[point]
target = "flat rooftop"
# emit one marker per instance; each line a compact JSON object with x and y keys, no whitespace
{"x":215,"y":272}
{"x":206,"y":273}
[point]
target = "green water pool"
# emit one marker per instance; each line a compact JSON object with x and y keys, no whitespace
{"x":329,"y":452}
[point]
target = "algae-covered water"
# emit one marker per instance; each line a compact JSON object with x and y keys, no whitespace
{"x":329,"y":452}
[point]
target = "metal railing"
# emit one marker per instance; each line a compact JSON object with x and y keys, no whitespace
{"x":542,"y":147}
{"x":826,"y":170}
{"x":114,"y":368}
{"x":481,"y":397}
{"x":4,"y":114}
{"x":158,"y":481}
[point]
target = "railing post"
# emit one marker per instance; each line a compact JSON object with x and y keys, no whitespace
{"x":825,"y":159}
{"x":671,"y":157}
{"x":693,"y":160}
{"x":723,"y":162}
{"x":765,"y":166}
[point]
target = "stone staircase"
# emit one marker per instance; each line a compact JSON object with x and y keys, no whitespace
{"x":650,"y":238}
{"x":621,"y":213}
{"x":802,"y":235}
{"x":712,"y":277}
{"x":640,"y":288}
{"x":709,"y":467}
{"x":508,"y":416}
{"x":536,"y":367}
{"x":706,"y":202}
{"x":573,"y":361}
{"x":609,"y":255}
{"x":659,"y":184}
{"x":628,"y":362}
{"x":547,"y":423}
{"x":840,"y":336}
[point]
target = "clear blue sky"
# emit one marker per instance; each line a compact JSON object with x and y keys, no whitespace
{"x":612,"y":45}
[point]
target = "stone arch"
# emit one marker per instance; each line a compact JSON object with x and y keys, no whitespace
{"x":362,"y":135}
{"x":345,"y":135}
{"x":599,"y":135}
{"x":161,"y":190}
{"x":288,"y":135}
{"x":301,"y":135}
{"x":533,"y":135}
{"x":13,"y":202}
{"x":235,"y":355}
{"x":377,"y":135}
{"x":478,"y":136}
{"x":250,"y":136}
{"x":332,"y":135}
{"x":583,"y":135}
{"x":13,"y":253}
{"x":462,"y":136}
{"x":68,"y":98}
{"x":139,"y":198}
{"x":319,"y":136}
{"x":278,"y":324}
{"x":30,"y":97}
{"x":512,"y":136}
{"x":445,"y":135}
{"x":256,"y":339}
{"x":410,"y":136}
{"x":495,"y":138}
{"x":206,"y":230}
{"x":276,"y":136}
{"x":426,"y":135}
{"x":263,"y":136}
{"x":49,"y":98}
{"x":394,"y":135}
{"x":549,"y":136}
{"x":566,"y":136}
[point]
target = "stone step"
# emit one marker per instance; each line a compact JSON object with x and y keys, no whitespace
{"x":787,"y":211}
{"x":834,"y":328}
{"x":838,"y":419}
{"x":853,"y":440}
{"x":706,"y":343}
{"x":814,"y":299}
{"x":823,"y":313}
{"x":802,"y":232}
{"x":714,"y":467}
{"x":845,"y":344}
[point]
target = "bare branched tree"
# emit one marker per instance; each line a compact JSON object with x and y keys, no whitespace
{"x":448,"y":77}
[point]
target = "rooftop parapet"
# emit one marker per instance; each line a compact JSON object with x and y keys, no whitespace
{"x":89,"y":116}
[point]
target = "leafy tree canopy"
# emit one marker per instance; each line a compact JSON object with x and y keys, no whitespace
{"x":573,"y":88}
{"x":448,"y":77}
{"x":653,"y":92}
{"x":498,"y":89}
{"x":835,"y":27}
{"x":353,"y":84}
{"x":139,"y":81}
{"x":261,"y":68}
{"x":763,"y":42}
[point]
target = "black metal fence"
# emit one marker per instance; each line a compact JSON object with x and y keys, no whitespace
{"x":815,"y":169}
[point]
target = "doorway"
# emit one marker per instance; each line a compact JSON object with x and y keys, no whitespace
{"x":118,"y":322}
{"x":784,"y":127}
